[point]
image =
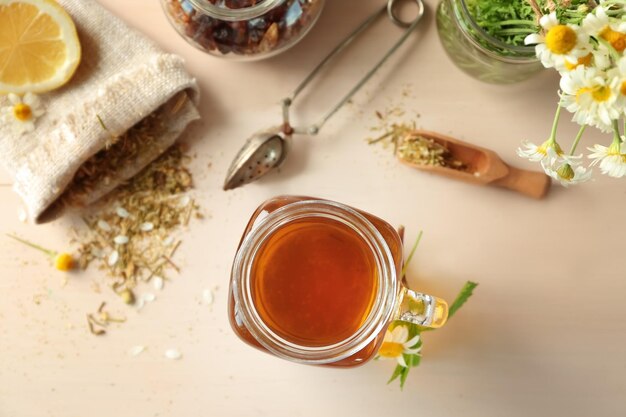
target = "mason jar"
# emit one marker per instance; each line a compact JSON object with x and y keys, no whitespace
{"x":478,"y":53}
{"x":243,"y":29}
{"x":318,"y":282}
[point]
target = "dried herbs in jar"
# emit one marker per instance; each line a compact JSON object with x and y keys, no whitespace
{"x":245,"y":29}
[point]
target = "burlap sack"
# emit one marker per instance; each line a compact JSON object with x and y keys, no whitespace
{"x":122,"y":78}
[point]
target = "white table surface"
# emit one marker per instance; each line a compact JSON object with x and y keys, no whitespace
{"x":545,"y":334}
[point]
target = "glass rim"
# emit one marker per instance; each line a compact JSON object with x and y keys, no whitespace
{"x":234,"y":15}
{"x":383,"y":304}
{"x":469,"y":19}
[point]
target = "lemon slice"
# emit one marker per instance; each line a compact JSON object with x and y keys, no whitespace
{"x":39,"y":47}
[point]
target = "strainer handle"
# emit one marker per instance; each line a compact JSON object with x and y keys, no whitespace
{"x":388,"y":9}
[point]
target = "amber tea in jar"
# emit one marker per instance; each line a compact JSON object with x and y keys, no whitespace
{"x":317,"y":282}
{"x":243,"y":29}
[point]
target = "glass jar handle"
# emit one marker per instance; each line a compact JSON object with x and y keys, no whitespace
{"x":422,"y":309}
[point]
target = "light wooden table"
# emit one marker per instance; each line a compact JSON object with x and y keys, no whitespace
{"x":544,"y":335}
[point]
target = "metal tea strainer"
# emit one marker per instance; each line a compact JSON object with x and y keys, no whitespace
{"x":268,"y":149}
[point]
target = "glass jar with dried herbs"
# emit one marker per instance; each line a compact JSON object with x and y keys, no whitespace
{"x":243,"y":29}
{"x":485,"y":38}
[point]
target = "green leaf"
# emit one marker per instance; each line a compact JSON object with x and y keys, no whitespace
{"x":413,"y":249}
{"x":396,"y":373}
{"x":416,"y":360}
{"x":464,"y":295}
{"x":404,"y":375}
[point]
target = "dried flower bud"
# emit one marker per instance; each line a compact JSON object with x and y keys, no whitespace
{"x":566,"y":172}
{"x":127,"y":296}
{"x":64,"y":262}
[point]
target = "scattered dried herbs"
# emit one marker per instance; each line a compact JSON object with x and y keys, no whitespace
{"x":420,"y":150}
{"x":417,"y":149}
{"x":119,"y":153}
{"x":98,"y":322}
{"x":131,"y":233}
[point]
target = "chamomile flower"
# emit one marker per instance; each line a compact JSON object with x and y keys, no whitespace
{"x":22,"y":113}
{"x":619,"y":73}
{"x":561,"y":42}
{"x":396,"y":344}
{"x":612,"y":159}
{"x":543,"y":153}
{"x":598,"y":58}
{"x":546,"y":153}
{"x":62,"y":261}
{"x":557,"y":158}
{"x":567,"y":174}
{"x":599,"y":25}
{"x":590,"y":94}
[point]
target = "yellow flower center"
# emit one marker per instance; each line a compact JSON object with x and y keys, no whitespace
{"x":22,"y":112}
{"x":585,"y":60}
{"x":561,"y":39}
{"x":599,"y":93}
{"x":622,"y":88}
{"x":616,"y":150}
{"x":616,"y":39}
{"x":543,"y":149}
{"x":391,"y":349}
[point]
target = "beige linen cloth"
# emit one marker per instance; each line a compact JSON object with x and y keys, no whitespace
{"x":122,"y":78}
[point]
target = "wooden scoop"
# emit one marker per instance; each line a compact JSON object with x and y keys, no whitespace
{"x":483,"y":167}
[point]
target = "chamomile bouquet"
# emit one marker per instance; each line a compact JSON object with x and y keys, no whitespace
{"x":585,"y":43}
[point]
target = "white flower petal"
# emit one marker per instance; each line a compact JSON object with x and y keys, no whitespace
{"x":120,"y":240}
{"x":184,"y":202}
{"x":400,"y":334}
{"x":533,"y":39}
{"x":401,"y":361}
{"x":22,"y":215}
{"x":103,"y":225}
{"x":136,"y":350}
{"x":114,"y":257}
{"x":173,"y":354}
{"x":410,"y":343}
{"x":207,"y":296}
{"x":122,"y":212}
{"x":31,"y":99}
{"x":157,"y":283}
{"x":548,"y":21}
{"x":146,"y":227}
{"x":149,"y":297}
{"x":14,"y":98}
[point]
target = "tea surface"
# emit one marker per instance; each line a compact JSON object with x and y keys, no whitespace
{"x":314,"y":281}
